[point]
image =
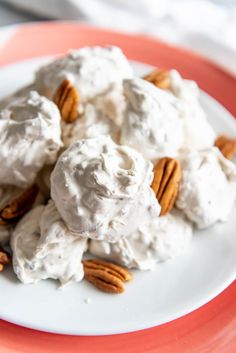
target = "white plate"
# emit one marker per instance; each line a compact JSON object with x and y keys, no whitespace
{"x":172,"y":290}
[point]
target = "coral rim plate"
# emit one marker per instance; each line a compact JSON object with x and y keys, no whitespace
{"x":153,"y":298}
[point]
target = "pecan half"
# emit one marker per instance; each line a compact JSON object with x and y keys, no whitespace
{"x":67,"y":99}
{"x":18,"y":207}
{"x":167,"y":176}
{"x":106,"y":276}
{"x":4,"y":259}
{"x":160,"y":78}
{"x":226,"y":145}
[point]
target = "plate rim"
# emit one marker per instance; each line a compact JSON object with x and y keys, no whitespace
{"x":146,"y":37}
{"x":137,"y":327}
{"x":173,"y":323}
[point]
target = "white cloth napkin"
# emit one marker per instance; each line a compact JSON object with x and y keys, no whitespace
{"x":206,"y":26}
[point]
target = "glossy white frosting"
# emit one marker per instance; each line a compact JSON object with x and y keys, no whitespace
{"x":43,"y":247}
{"x":20,"y":93}
{"x":112,"y":103}
{"x":102,"y":190}
{"x":151,"y":120}
{"x":197,"y":130}
{"x":29,"y":138}
{"x":208,"y":186}
{"x":91,"y":123}
{"x":161,"y":239}
{"x":92,"y":70}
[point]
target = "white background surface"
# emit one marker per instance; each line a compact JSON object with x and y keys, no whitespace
{"x":206,"y":26}
{"x":173,"y":289}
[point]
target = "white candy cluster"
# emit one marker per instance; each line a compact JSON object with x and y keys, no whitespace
{"x":30,"y":137}
{"x":160,"y":239}
{"x":152,"y":124}
{"x":97,"y":171}
{"x":208,"y":187}
{"x":93,"y":71}
{"x":43,"y":247}
{"x":101,"y":189}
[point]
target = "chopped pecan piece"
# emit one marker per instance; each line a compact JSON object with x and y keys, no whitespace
{"x":4,"y":259}
{"x":160,"y":78}
{"x":19,"y":206}
{"x":226,"y":145}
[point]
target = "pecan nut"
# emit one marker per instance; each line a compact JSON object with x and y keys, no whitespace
{"x":226,"y":145}
{"x":167,"y":176}
{"x":160,"y":78}
{"x":4,"y":259}
{"x":67,"y":99}
{"x":19,"y":206}
{"x":106,"y":276}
